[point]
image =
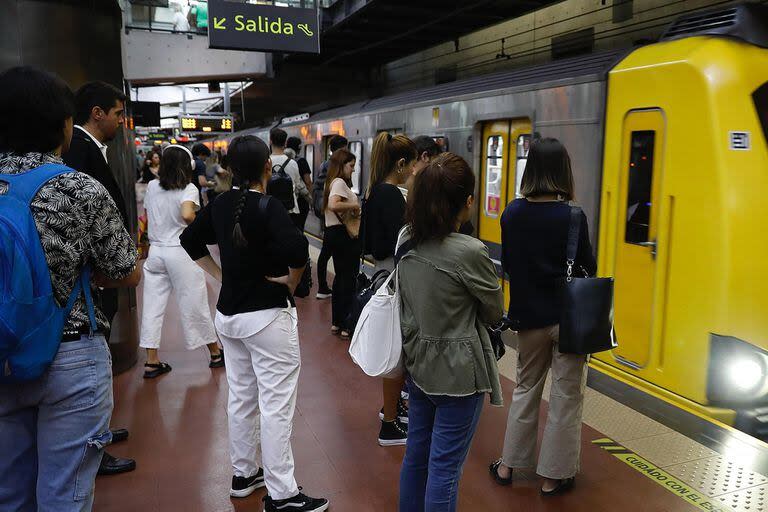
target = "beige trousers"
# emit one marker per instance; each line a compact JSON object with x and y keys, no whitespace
{"x":561,"y":445}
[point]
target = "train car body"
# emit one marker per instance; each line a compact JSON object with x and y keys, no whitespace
{"x":669,"y":154}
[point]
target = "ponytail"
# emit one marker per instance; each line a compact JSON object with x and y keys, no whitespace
{"x":246,"y":158}
{"x":386,"y":152}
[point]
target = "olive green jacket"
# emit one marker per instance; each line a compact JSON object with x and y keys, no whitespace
{"x":449,"y":291}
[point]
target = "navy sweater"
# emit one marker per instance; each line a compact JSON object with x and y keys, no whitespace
{"x":534,"y":238}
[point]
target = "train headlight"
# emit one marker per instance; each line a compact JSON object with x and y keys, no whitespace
{"x":738,"y":372}
{"x":746,"y":374}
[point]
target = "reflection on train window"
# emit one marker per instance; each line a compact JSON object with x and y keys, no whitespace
{"x":309,"y":155}
{"x":523,"y":145}
{"x":493,"y":175}
{"x":356,"y":148}
{"x":640,"y":177}
{"x":442,"y":142}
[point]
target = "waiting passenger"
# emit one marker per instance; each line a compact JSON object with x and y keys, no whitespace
{"x":534,"y":233}
{"x":392,"y":162}
{"x":336,"y":143}
{"x":277,"y":140}
{"x":171,"y":203}
{"x":54,"y":428}
{"x":449,"y":292}
{"x":341,"y":205}
{"x":151,"y":167}
{"x":305,"y":172}
{"x":262,"y":259}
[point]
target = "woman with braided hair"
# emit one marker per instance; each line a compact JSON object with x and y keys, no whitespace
{"x":262,"y":258}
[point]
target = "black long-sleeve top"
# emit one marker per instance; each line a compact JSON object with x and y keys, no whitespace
{"x":384,"y":216}
{"x":534,"y":236}
{"x":274,"y":245}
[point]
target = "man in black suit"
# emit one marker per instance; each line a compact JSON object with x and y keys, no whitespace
{"x":100,"y":112}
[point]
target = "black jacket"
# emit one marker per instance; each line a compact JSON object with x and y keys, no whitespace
{"x":84,"y":156}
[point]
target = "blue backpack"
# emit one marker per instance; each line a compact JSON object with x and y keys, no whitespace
{"x":31,"y":323}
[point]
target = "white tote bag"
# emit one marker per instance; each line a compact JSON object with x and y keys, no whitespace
{"x":377,"y":344}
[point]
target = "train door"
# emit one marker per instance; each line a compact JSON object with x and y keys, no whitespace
{"x":638,"y":309}
{"x":503,"y":148}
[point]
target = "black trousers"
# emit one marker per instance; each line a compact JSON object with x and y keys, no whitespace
{"x":345,"y":252}
{"x":322,"y":262}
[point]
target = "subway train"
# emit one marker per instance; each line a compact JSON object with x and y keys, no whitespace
{"x":669,"y":149}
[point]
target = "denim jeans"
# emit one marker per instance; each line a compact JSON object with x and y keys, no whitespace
{"x":53,"y":431}
{"x":440,"y":431}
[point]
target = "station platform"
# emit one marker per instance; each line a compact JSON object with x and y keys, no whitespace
{"x":178,"y":436}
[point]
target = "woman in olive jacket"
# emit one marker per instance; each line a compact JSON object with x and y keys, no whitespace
{"x":449,"y":292}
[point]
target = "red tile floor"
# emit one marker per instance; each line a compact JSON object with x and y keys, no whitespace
{"x":178,"y":436}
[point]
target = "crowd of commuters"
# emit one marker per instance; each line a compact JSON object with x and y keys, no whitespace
{"x":414,"y":217}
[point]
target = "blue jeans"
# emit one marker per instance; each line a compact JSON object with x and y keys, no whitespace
{"x":440,"y":431}
{"x":53,"y":431}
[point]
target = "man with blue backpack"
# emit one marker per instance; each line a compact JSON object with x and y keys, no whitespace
{"x":61,"y":235}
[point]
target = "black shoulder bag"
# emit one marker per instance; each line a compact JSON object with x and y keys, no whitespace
{"x":586,"y":320}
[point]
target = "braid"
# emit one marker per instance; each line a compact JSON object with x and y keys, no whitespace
{"x":238,"y":237}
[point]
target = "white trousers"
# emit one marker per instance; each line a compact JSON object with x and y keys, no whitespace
{"x":263,"y":374}
{"x":171,"y":269}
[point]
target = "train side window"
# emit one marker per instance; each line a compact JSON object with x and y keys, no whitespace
{"x":493,"y":175}
{"x":523,"y":145}
{"x":640,"y":186}
{"x":356,"y":148}
{"x":309,"y":156}
{"x":442,"y":142}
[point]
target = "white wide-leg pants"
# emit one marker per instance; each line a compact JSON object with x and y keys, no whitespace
{"x":263,"y":374}
{"x":171,"y":269}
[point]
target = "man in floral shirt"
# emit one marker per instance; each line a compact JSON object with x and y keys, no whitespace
{"x":53,"y":430}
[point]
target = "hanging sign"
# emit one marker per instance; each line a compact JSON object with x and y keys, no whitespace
{"x":240,"y":26}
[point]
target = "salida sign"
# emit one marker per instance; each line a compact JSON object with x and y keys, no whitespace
{"x":238,"y":26}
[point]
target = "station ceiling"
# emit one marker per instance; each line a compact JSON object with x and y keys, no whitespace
{"x":379,"y":31}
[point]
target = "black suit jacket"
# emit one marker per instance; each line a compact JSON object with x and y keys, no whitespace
{"x":84,"y":156}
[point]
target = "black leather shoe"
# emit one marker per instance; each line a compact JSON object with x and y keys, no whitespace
{"x":565,"y":485}
{"x":113,"y":465}
{"x":119,"y":435}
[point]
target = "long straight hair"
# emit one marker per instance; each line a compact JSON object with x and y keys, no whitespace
{"x":386,"y":152}
{"x":339,"y":159}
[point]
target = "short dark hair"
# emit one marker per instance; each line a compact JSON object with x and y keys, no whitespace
{"x":34,"y":106}
{"x":439,"y":194}
{"x":337,"y":142}
{"x":175,"y":169}
{"x":294,"y":143}
{"x":95,"y":94}
{"x":548,"y":170}
{"x":277,"y":137}
{"x":426,"y":144}
{"x":200,"y":149}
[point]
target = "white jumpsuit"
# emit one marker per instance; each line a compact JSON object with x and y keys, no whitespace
{"x":169,"y":268}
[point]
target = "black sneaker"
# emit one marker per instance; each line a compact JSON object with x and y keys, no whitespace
{"x":242,"y":486}
{"x":323,"y":293}
{"x":393,"y":433}
{"x":299,"y":503}
{"x":402,"y":412}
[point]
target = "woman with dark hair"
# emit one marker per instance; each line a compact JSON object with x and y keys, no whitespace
{"x":534,"y":235}
{"x":171,"y":203}
{"x":341,"y":205}
{"x":53,"y":428}
{"x":151,"y":167}
{"x":262,"y":259}
{"x":392,"y":162}
{"x":449,"y":293}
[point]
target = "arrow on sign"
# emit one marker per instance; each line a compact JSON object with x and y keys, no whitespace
{"x":218,"y":23}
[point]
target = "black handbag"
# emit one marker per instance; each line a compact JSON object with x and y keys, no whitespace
{"x":586,"y":320}
{"x":497,"y":343}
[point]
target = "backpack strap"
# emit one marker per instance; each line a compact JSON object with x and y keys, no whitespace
{"x":263,"y":203}
{"x":24,"y":186}
{"x":83,"y":285}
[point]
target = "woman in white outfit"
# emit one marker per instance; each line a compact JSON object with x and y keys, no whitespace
{"x":171,"y":202}
{"x":257,"y":322}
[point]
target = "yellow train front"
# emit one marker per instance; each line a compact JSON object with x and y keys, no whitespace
{"x":684,"y":224}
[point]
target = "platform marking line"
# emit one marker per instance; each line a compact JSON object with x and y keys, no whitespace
{"x":674,"y":485}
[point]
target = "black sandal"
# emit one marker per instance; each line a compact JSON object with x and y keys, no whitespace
{"x":565,"y":485}
{"x":158,"y":369}
{"x":217,"y":361}
{"x":494,"y":469}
